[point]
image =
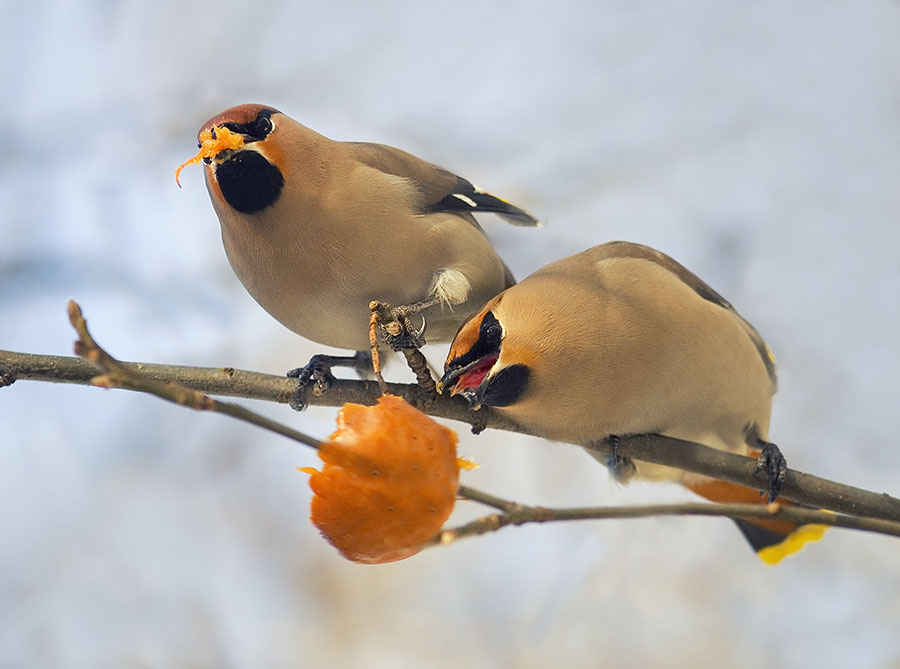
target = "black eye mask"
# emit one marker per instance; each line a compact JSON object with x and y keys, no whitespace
{"x":256,"y":130}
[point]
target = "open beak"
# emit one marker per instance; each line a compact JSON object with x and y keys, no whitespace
{"x":468,"y":380}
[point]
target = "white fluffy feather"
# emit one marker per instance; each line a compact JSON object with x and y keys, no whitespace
{"x":451,"y":287}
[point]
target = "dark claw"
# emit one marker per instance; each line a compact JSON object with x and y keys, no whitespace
{"x":471,"y":396}
{"x":408,"y":336}
{"x":612,"y":460}
{"x":296,"y":401}
{"x":621,"y":468}
{"x":772,"y":463}
{"x":316,"y":376}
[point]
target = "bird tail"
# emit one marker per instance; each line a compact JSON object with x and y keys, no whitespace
{"x":469,"y":198}
{"x":510,"y":213}
{"x":773,"y":540}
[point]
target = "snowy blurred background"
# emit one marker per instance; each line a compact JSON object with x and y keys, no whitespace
{"x":758,"y":143}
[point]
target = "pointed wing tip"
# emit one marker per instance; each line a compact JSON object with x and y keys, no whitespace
{"x":523,"y":219}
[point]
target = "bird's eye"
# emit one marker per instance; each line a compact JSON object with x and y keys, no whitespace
{"x":491,"y":331}
{"x":262,"y":127}
{"x":254,"y":131}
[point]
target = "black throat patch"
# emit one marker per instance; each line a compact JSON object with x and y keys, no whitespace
{"x":506,"y":387}
{"x":249,"y":182}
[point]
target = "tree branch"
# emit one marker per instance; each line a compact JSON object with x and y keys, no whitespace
{"x":230,"y":382}
{"x":799,"y":487}
{"x":122,"y":375}
{"x":513,"y":513}
{"x":129,"y":377}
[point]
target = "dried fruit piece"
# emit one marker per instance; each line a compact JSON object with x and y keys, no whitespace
{"x":389,"y":481}
{"x":467,"y":463}
{"x":212,"y":142}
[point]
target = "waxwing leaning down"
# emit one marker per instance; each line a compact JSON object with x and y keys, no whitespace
{"x":315,"y":229}
{"x":622,"y":340}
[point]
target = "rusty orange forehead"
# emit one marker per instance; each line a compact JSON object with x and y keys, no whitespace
{"x":240,"y":114}
{"x":468,"y":333}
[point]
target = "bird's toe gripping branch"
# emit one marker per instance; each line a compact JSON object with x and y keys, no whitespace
{"x":316,"y":376}
{"x":622,"y":468}
{"x":397,"y":331}
{"x":772,"y":464}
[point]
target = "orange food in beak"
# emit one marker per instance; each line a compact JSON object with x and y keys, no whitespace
{"x":389,"y":482}
{"x":212,"y":142}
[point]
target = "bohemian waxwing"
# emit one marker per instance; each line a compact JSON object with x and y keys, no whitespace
{"x":315,"y":229}
{"x":622,"y":340}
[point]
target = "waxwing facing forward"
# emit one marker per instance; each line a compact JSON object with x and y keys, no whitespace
{"x":315,"y":229}
{"x":622,"y":340}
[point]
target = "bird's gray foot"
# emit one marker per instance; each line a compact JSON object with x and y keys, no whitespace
{"x":772,"y":464}
{"x":397,"y":329}
{"x":316,"y":376}
{"x":621,"y":468}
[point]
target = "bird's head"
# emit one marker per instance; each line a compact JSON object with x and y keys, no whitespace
{"x":486,"y":364}
{"x":243,"y":161}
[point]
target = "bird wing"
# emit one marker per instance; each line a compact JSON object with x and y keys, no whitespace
{"x":442,"y":191}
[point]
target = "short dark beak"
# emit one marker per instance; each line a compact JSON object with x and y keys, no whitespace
{"x":472,"y":394}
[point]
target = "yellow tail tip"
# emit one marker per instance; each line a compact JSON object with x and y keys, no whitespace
{"x":792,"y":543}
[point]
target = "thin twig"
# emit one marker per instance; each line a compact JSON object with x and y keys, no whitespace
{"x":373,"y":348}
{"x":419,"y":366}
{"x":512,"y":513}
{"x":130,"y":377}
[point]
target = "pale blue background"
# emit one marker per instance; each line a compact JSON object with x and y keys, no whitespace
{"x":758,"y":143}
